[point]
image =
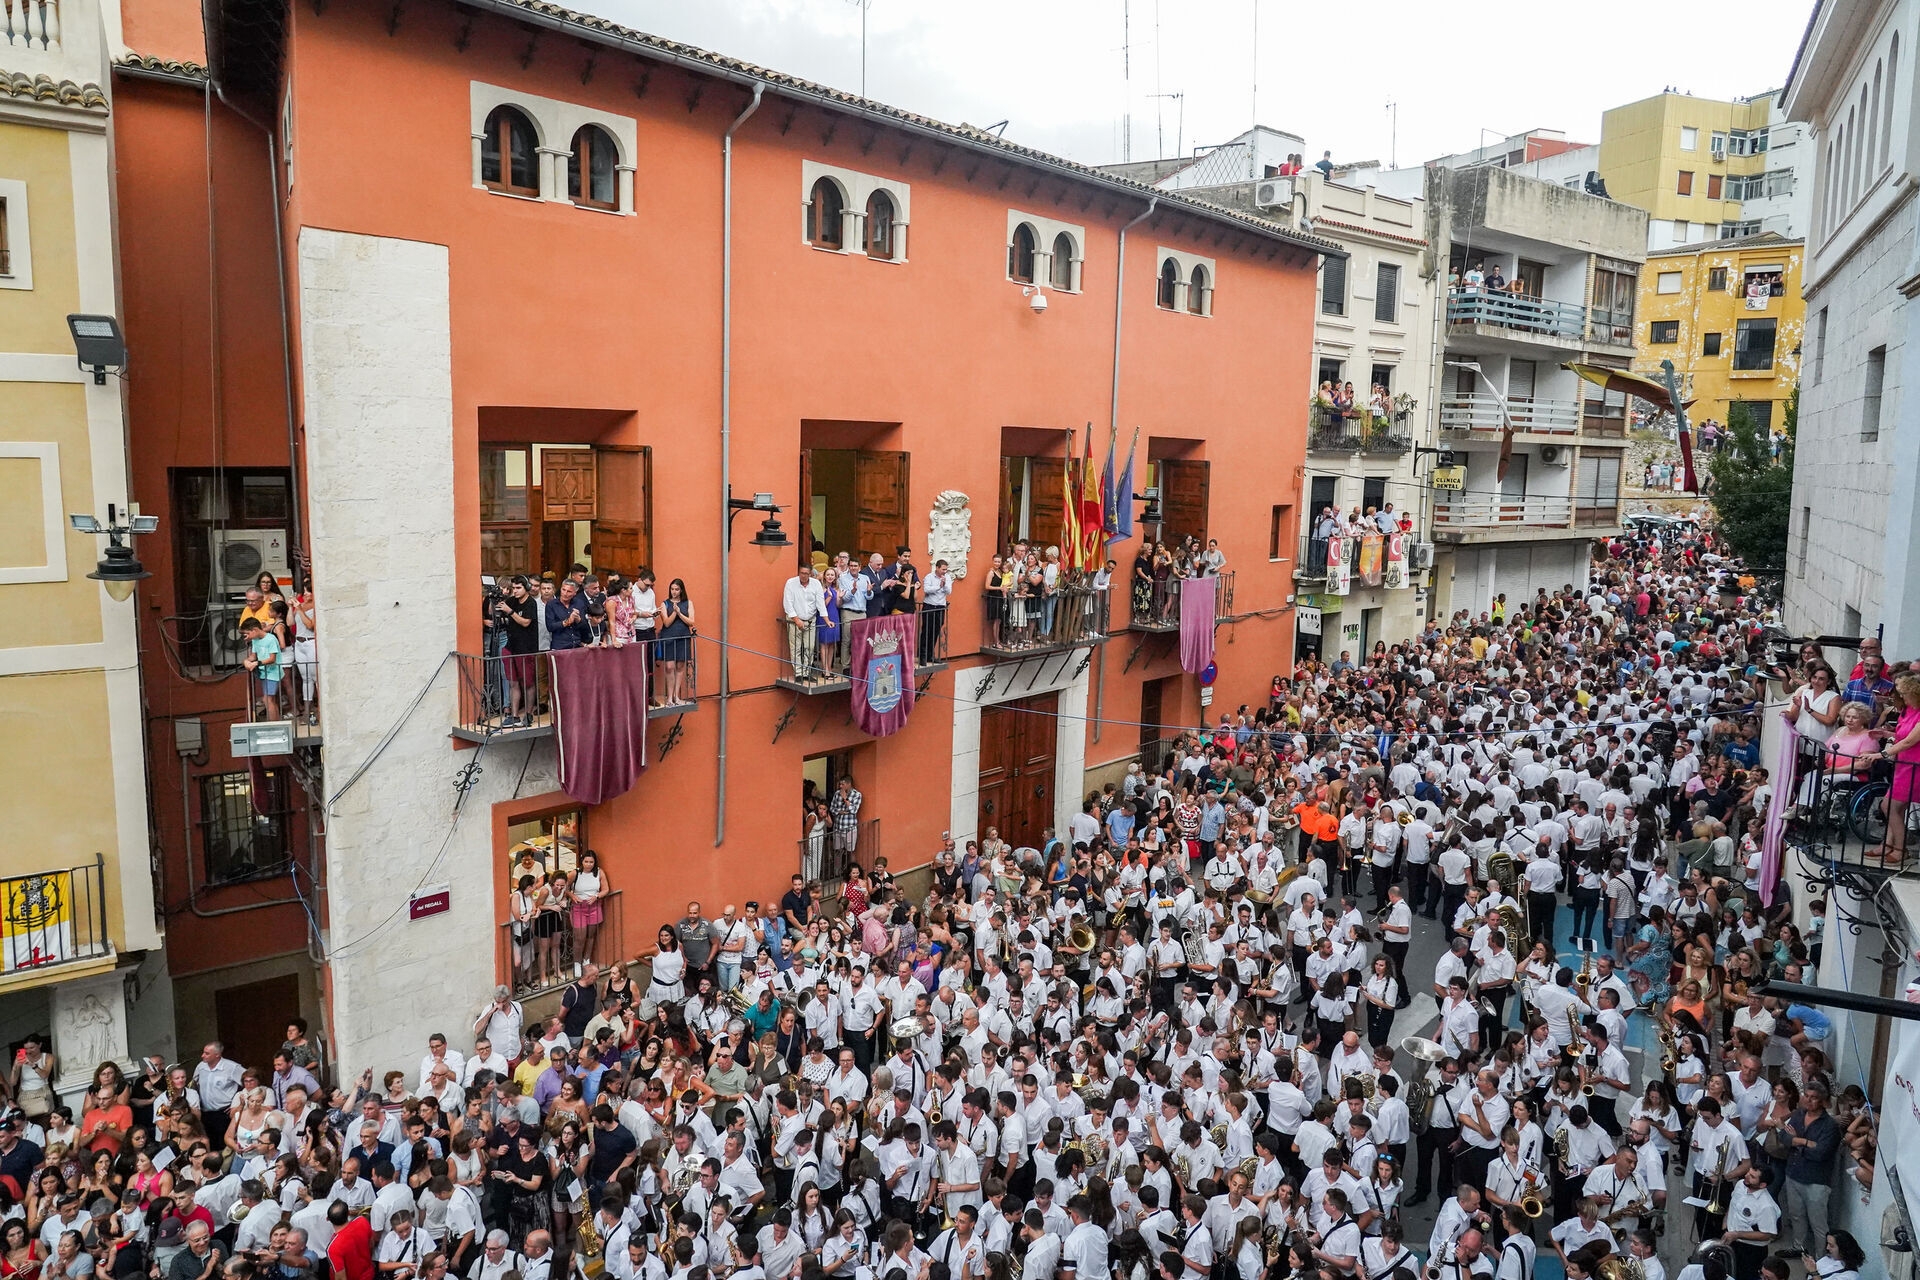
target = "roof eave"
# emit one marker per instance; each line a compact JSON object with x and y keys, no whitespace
{"x":817,"y":97}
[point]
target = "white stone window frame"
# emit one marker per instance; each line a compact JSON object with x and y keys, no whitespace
{"x":554,"y":124}
{"x":53,"y":517}
{"x":19,"y":238}
{"x":1045,"y":232}
{"x":856,"y":189}
{"x":1186,"y":262}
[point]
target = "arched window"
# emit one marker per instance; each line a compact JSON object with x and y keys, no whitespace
{"x":1893,"y":81}
{"x":1873,"y":126}
{"x":509,"y":153}
{"x":824,"y":209}
{"x":1169,"y":284}
{"x":880,"y":225}
{"x":1021,"y":253}
{"x":1853,"y":155}
{"x":1060,"y":269}
{"x":590,"y":176}
{"x":1199,"y":292}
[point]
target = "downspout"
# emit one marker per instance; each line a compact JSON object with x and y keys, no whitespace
{"x":1113,"y":423}
{"x":726,"y":451}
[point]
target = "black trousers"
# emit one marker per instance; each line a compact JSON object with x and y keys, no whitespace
{"x":1451,"y":896}
{"x":1419,"y":876}
{"x":1492,"y":1028}
{"x":1540,"y":909}
{"x":1602,"y":1111}
{"x":1708,"y":1226}
{"x":1397,"y":952}
{"x":861,"y":1042}
{"x":1433,"y":1156}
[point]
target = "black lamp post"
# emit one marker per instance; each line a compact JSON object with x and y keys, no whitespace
{"x":769,"y":537}
{"x":119,"y":568}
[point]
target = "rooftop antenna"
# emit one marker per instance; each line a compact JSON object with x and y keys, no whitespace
{"x":863,"y":5}
{"x":1159,"y":136}
{"x":1179,"y":128}
{"x":1126,"y":79}
{"x":1253,"y":133}
{"x":1393,"y":134}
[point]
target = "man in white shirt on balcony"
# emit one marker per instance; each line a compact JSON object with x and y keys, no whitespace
{"x":802,"y":602}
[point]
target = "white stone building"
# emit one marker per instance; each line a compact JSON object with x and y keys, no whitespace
{"x":1855,"y":526}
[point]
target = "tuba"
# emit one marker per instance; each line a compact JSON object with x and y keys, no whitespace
{"x":1514,"y":924}
{"x":1193,"y":942}
{"x":1501,"y":867}
{"x":1620,"y":1266}
{"x":1419,"y":1096}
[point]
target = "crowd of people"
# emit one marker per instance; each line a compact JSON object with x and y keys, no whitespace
{"x":282,"y":657}
{"x":523,"y":617}
{"x":827,"y":595}
{"x":1174,"y":1043}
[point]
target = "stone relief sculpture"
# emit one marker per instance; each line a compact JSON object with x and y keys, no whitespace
{"x":951,"y":536}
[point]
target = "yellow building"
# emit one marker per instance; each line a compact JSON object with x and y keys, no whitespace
{"x":1706,"y":169}
{"x":77,"y":906}
{"x":1729,"y":314}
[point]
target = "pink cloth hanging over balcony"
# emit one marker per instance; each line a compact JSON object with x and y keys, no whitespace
{"x":600,"y":720}
{"x":1197,"y":605}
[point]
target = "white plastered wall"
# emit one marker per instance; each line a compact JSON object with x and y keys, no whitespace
{"x":979,"y":687}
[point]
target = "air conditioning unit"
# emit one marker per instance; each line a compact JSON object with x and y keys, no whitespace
{"x":226,"y":647}
{"x":1554,"y":455}
{"x":239,"y":556}
{"x":1420,"y":556}
{"x":1274,"y":193}
{"x":1719,"y":150}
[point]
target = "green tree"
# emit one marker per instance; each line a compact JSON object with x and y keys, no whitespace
{"x":1751,"y":489}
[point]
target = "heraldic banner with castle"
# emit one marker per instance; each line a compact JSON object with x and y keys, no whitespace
{"x":882,"y":671}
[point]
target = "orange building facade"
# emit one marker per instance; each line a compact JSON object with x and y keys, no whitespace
{"x":549,"y":286}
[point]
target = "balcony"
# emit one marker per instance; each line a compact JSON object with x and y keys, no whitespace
{"x":537,"y":965}
{"x":56,"y":921}
{"x":1021,"y":626}
{"x":1518,"y":316}
{"x":1479,"y":413}
{"x":1610,"y":328}
{"x":1516,"y":518}
{"x":827,"y":664}
{"x":510,"y":696}
{"x":1312,"y":564}
{"x":824,"y":866}
{"x":1162,"y":613}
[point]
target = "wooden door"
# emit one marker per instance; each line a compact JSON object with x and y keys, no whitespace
{"x":1183,"y":500}
{"x":251,"y":1019}
{"x":569,"y":484}
{"x":1016,"y":768}
{"x":622,"y":530}
{"x":1150,"y":712}
{"x":808,"y":534}
{"x":880,"y":495}
{"x":1046,"y":501}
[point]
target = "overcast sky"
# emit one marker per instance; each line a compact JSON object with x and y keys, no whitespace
{"x":1053,"y":68}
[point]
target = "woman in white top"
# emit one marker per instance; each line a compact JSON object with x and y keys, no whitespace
{"x":1815,"y":709}
{"x":1690,"y":1077}
{"x":669,"y":970}
{"x":1249,"y":1259}
{"x":590,"y":888}
{"x":1842,"y":1261}
{"x":1663,"y":1120}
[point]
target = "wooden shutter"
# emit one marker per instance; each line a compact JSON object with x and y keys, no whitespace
{"x":622,"y":528}
{"x":568,"y":484}
{"x":1046,"y":501}
{"x":1386,"y":293}
{"x":1183,"y":499}
{"x":880,"y":491}
{"x":1009,"y":503}
{"x":804,"y":524}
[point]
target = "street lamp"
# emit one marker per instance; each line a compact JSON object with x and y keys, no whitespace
{"x":98,"y":344}
{"x":770,"y":537}
{"x":119,"y":568}
{"x":1152,"y":498}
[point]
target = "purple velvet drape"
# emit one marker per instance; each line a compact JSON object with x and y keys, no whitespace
{"x":600,"y":720}
{"x":1196,"y":623}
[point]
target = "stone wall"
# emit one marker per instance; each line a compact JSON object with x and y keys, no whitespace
{"x":377,"y":384}
{"x":1841,"y":482}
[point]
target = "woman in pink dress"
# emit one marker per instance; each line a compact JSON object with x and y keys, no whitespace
{"x":1903,"y":748}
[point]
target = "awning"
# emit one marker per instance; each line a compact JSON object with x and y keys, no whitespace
{"x":1632,"y":384}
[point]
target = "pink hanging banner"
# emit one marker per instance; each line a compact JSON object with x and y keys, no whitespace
{"x":882,"y":671}
{"x":1197,"y":598}
{"x":1773,"y":839}
{"x":600,"y":720}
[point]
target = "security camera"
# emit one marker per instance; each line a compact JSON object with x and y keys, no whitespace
{"x":1035,"y":298}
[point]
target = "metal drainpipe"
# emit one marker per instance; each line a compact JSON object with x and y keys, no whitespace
{"x":1113,"y":425}
{"x":726,"y":451}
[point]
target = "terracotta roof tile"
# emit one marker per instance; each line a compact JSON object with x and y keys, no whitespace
{"x":164,"y":66}
{"x":44,"y":88}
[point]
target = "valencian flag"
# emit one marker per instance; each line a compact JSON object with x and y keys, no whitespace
{"x":882,"y":671}
{"x":1118,"y":494}
{"x":1093,"y":520}
{"x":1659,"y":395}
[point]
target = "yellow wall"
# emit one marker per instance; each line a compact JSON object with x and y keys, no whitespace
{"x":46,"y":613}
{"x":1701,"y":310}
{"x":36,"y":319}
{"x":1641,"y":159}
{"x":56,"y":759}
